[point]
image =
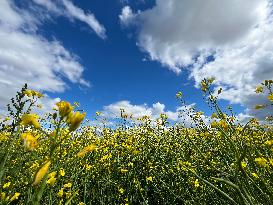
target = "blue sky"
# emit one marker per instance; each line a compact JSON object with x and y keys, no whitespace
{"x":115,"y":66}
{"x":150,"y":50}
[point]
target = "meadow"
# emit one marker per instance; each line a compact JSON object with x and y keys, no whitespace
{"x":61,"y":159}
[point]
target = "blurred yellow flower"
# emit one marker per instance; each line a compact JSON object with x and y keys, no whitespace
{"x":30,"y":119}
{"x":150,"y":178}
{"x":261,"y":161}
{"x":32,"y":93}
{"x":86,"y":150}
{"x":259,"y":89}
{"x":121,"y":190}
{"x":30,"y":142}
{"x":15,"y":197}
{"x":123,"y":170}
{"x":270,"y":97}
{"x":6,"y":185}
{"x":257,"y":107}
{"x":41,"y":173}
{"x":64,"y":108}
{"x":255,"y":175}
{"x":74,"y":120}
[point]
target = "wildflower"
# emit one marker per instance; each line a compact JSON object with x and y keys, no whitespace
{"x":214,"y":124}
{"x":88,"y":167}
{"x":64,"y":108}
{"x":51,"y":181}
{"x":32,"y":93}
{"x":259,"y":89}
{"x":30,"y":119}
{"x":257,"y":107}
{"x":3,"y":196}
{"x":269,"y":142}
{"x":60,"y":192}
{"x":121,"y":190}
{"x":15,"y":197}
{"x":243,"y":164}
{"x":52,"y":174}
{"x":41,"y":173}
{"x":179,"y":95}
{"x":30,"y":142}
{"x":150,"y":178}
{"x":74,"y":120}
{"x":62,"y":172}
{"x":86,"y":150}
{"x":214,"y":115}
{"x":98,"y":113}
{"x":223,"y":124}
{"x":196,"y":183}
{"x":6,"y":185}
{"x":255,"y":175}
{"x":81,"y":203}
{"x":123,"y":170}
{"x":270,"y":97}
{"x":68,"y":185}
{"x":261,"y":161}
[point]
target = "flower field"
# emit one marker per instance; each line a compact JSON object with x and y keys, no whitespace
{"x":60,"y":159}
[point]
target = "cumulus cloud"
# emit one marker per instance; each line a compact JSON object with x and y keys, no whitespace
{"x":68,"y":9}
{"x":180,"y":115}
{"x":26,"y":56}
{"x":230,"y":40}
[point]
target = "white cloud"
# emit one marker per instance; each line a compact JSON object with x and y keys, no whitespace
{"x":181,"y":114}
{"x":237,"y":33}
{"x":28,"y":57}
{"x":68,"y":9}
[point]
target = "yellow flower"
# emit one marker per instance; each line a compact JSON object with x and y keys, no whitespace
{"x":30,"y":119}
{"x":271,"y":161}
{"x":41,"y":173}
{"x":52,"y":174}
{"x":224,"y":124}
{"x":255,"y":175}
{"x":261,"y":161}
{"x":15,"y":197}
{"x":270,"y":97}
{"x":269,"y":142}
{"x":86,"y":150}
{"x":196,"y":183}
{"x":31,"y":93}
{"x":243,"y":163}
{"x":121,"y":190}
{"x":68,"y":185}
{"x":60,"y":192}
{"x":3,"y":196}
{"x":81,"y":203}
{"x":259,"y":89}
{"x":257,"y":107}
{"x":30,"y":142}
{"x":74,"y":120}
{"x":62,"y":172}
{"x":214,"y":115}
{"x":123,"y":170}
{"x":214,"y":124}
{"x":64,"y":108}
{"x":150,"y":179}
{"x":6,"y":185}
{"x":51,"y":181}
